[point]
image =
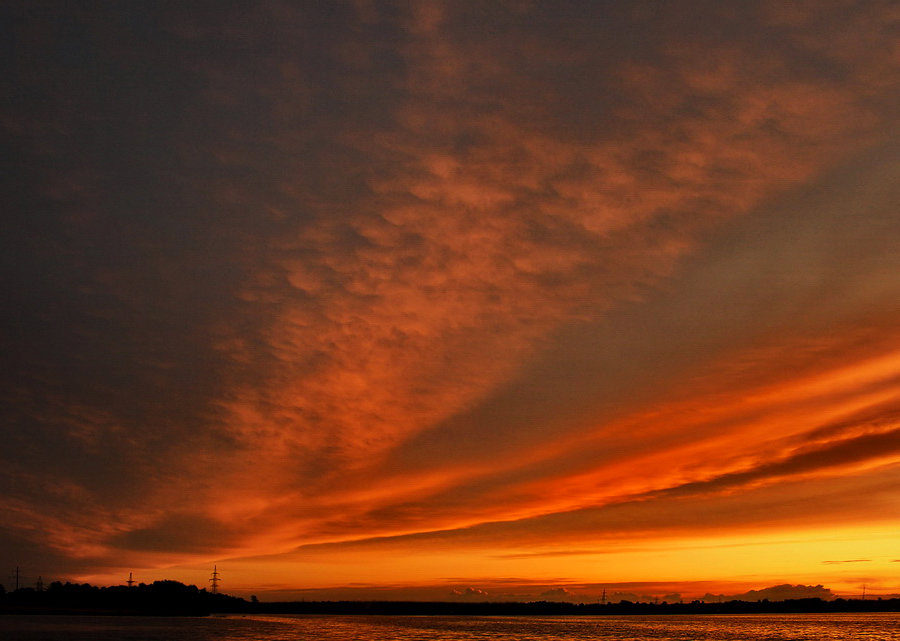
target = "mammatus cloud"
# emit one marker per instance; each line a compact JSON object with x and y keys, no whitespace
{"x":283,"y":277}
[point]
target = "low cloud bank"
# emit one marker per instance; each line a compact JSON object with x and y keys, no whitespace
{"x":777,"y":593}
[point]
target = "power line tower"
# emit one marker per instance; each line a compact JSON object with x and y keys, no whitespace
{"x":864,"y":592}
{"x":215,"y":580}
{"x":603,"y":597}
{"x":130,"y":581}
{"x":40,"y":584}
{"x":15,"y":577}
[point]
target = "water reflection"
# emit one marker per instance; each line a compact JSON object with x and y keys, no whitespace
{"x":799,"y":627}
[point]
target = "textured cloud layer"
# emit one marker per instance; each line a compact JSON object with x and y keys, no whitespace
{"x":506,"y":277}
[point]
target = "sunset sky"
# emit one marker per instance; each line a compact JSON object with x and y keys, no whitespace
{"x":437,"y":300}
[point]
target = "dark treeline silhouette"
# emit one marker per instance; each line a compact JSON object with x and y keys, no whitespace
{"x":556,"y":608}
{"x":177,"y":599}
{"x":159,"y":597}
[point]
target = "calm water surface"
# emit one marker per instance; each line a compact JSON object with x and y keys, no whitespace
{"x":793,"y":627}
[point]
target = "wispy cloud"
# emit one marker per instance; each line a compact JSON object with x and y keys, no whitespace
{"x":847,"y":561}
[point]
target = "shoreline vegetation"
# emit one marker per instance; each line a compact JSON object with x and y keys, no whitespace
{"x":172,"y":598}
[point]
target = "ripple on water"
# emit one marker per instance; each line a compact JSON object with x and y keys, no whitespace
{"x":794,"y":627}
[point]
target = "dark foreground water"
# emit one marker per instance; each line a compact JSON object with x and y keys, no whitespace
{"x":757,"y":627}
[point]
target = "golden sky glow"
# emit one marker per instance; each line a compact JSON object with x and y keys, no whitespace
{"x":454,"y":300}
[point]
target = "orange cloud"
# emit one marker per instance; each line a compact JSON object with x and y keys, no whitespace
{"x":448,"y":277}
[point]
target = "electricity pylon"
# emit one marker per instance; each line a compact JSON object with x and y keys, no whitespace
{"x":215,"y":580}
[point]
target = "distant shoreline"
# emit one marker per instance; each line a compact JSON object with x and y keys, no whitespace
{"x":172,"y":598}
{"x":555,"y":608}
{"x":441,"y":608}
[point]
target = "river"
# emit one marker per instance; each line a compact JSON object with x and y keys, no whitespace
{"x":757,"y":627}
